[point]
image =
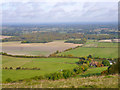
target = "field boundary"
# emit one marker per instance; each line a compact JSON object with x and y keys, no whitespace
{"x":25,"y":56}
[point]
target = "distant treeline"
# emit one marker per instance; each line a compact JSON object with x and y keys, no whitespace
{"x":44,"y":37}
{"x":100,"y":36}
{"x":82,"y":41}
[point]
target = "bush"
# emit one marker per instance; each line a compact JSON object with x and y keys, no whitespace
{"x":113,"y":69}
{"x":8,"y":80}
{"x":67,"y":73}
{"x":85,"y":67}
{"x":18,"y":68}
{"x":11,"y":68}
{"x":106,"y":63}
{"x":90,"y":56}
{"x":54,"y":76}
{"x":6,"y":68}
{"x":38,"y":78}
{"x":78,"y":70}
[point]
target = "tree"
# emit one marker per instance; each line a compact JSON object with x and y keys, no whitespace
{"x":106,"y":63}
{"x":90,"y":56}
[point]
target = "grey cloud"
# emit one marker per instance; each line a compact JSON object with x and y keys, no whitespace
{"x":61,"y":11}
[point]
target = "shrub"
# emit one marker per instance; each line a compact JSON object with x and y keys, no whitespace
{"x":66,"y":74}
{"x":78,"y":70}
{"x":90,"y":56}
{"x":113,"y":69}
{"x":38,"y":78}
{"x":60,"y":75}
{"x":11,"y":68}
{"x":104,"y":72}
{"x":85,"y":67}
{"x":6,"y":68}
{"x":18,"y":68}
{"x":8,"y":80}
{"x":106,"y":63}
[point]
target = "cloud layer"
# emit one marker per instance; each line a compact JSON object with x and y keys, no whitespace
{"x":41,"y":12}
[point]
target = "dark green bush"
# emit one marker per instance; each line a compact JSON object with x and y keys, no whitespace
{"x":38,"y":78}
{"x":106,"y":63}
{"x":8,"y":80}
{"x":67,"y":73}
{"x":112,"y":69}
{"x":78,"y":70}
{"x":85,"y":67}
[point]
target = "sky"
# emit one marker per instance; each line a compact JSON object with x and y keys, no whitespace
{"x":55,"y":12}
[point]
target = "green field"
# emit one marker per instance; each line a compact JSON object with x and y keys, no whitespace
{"x":110,"y":50}
{"x":46,"y":65}
{"x":96,"y":52}
{"x":80,"y":81}
{"x":94,"y":43}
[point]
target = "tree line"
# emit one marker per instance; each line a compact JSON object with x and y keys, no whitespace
{"x":44,"y":37}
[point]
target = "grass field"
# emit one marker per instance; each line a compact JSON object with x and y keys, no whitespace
{"x":36,"y":48}
{"x":88,"y":79}
{"x":80,"y":81}
{"x":110,"y":50}
{"x":46,"y":65}
{"x":94,"y":43}
{"x":96,"y":52}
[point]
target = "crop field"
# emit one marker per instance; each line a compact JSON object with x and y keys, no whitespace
{"x":46,"y":65}
{"x":96,"y":49}
{"x":17,"y":48}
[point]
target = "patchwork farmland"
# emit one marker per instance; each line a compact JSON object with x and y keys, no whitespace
{"x":17,"y":48}
{"x":96,"y":49}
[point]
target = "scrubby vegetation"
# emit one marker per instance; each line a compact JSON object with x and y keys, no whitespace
{"x":106,"y":63}
{"x":112,"y":69}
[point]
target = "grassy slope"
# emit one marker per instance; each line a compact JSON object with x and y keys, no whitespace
{"x":88,"y":82}
{"x":80,"y":81}
{"x":47,"y":65}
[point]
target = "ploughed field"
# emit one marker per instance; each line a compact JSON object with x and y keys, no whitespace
{"x":46,"y":65}
{"x":96,"y":49}
{"x":18,"y":48}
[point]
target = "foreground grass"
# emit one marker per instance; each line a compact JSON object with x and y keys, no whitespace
{"x":110,"y":81}
{"x":46,"y":65}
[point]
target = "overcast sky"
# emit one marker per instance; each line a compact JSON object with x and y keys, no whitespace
{"x":44,"y":12}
